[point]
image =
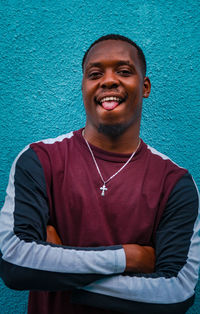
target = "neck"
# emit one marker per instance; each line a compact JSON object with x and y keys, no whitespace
{"x":125,"y":143}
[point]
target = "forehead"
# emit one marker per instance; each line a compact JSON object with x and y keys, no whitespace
{"x":112,"y":51}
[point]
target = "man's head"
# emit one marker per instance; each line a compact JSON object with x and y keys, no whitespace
{"x":114,"y":84}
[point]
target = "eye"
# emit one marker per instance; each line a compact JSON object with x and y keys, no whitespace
{"x":94,"y":75}
{"x":124,"y":72}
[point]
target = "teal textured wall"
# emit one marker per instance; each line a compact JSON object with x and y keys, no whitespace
{"x":42,"y":44}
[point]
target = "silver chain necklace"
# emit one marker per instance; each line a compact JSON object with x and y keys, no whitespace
{"x":103,"y":188}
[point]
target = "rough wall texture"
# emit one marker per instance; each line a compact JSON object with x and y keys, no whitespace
{"x":42,"y":44}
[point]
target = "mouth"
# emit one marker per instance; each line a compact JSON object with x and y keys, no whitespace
{"x":110,"y":102}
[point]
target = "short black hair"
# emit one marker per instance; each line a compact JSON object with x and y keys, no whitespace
{"x":123,"y":38}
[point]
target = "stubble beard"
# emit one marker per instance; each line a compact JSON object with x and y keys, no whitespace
{"x":112,"y":130}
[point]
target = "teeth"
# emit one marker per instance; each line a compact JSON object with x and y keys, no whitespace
{"x":109,"y":99}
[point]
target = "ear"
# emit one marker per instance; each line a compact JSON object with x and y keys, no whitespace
{"x":146,"y":87}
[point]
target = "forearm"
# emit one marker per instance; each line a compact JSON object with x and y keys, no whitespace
{"x":24,"y":278}
{"x":38,"y":265}
{"x":139,"y":259}
{"x":55,"y":268}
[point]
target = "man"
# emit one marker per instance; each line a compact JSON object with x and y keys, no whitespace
{"x":109,"y":200}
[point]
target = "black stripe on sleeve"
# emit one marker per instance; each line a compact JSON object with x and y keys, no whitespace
{"x":30,"y":192}
{"x":126,"y":306}
{"x":175,"y":231}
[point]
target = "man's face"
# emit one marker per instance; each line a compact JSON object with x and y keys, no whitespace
{"x":113,"y":85}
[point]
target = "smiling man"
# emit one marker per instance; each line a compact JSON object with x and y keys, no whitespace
{"x":97,"y":221}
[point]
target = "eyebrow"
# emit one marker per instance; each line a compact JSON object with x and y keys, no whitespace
{"x":118,"y":63}
{"x":124,"y":63}
{"x":94,"y":64}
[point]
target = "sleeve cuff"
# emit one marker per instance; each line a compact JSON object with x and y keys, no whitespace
{"x":120,"y":261}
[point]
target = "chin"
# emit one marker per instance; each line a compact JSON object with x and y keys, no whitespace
{"x":112,"y":130}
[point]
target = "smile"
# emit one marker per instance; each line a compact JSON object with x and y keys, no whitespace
{"x":105,"y":99}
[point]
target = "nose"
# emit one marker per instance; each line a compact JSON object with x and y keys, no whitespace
{"x":109,"y":80}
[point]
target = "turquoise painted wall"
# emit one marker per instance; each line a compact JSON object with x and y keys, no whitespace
{"x":42,"y":44}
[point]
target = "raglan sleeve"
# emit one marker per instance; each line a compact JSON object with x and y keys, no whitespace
{"x":171,"y":287}
{"x":27,"y":261}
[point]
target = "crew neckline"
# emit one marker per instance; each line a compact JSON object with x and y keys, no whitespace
{"x":105,"y":155}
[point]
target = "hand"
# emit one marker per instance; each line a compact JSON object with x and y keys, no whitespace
{"x":52,"y":235}
{"x":139,"y":259}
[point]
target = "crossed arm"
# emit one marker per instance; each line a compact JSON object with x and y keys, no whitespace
{"x":29,"y":262}
{"x":139,"y":259}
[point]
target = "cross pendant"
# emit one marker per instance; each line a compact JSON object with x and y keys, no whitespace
{"x":103,"y":188}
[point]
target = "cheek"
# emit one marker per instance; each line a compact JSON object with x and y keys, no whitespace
{"x":88,"y":91}
{"x":136,"y":92}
